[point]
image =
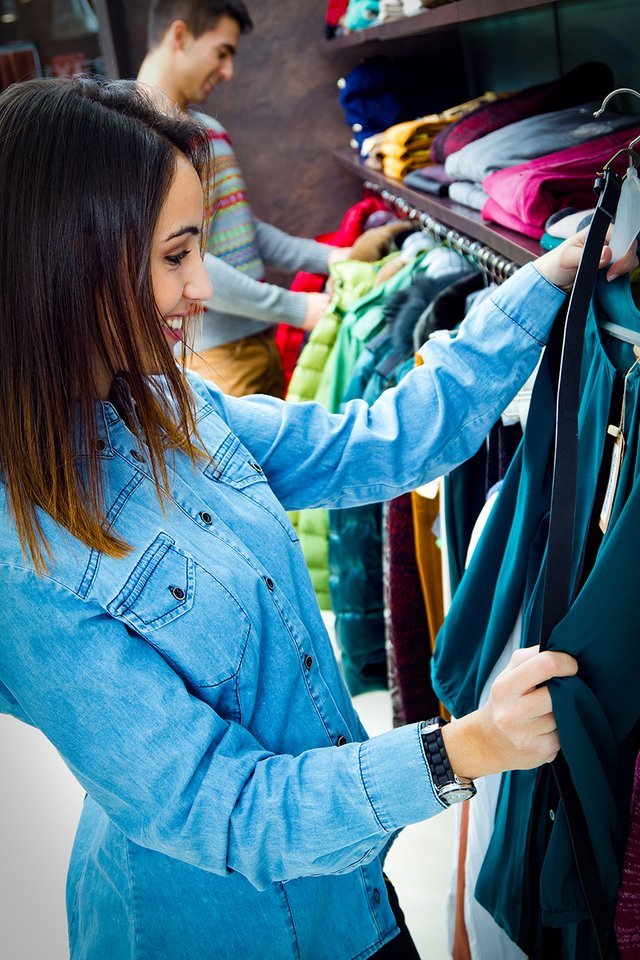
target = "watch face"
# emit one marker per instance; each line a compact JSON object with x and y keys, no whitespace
{"x":456,"y":793}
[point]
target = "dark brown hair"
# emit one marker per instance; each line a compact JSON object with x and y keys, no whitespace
{"x":199,"y":16}
{"x":84,"y":170}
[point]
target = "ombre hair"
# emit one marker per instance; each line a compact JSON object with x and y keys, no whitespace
{"x":85,"y":168}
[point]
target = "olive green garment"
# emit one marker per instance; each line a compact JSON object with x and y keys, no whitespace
{"x":351,"y":281}
{"x":598,"y":709}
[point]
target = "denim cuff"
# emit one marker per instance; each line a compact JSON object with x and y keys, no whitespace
{"x":397,"y":779}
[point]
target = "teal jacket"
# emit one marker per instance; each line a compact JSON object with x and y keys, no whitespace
{"x":598,"y":709}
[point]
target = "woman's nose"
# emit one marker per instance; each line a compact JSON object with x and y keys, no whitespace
{"x":198,"y":286}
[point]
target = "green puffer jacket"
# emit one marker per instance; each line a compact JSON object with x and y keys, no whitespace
{"x":351,"y":281}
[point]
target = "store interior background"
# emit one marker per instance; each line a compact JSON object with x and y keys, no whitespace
{"x":283,"y":114}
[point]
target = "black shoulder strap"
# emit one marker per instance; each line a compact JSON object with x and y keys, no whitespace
{"x":557,"y":586}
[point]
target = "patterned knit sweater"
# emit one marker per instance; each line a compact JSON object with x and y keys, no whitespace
{"x":239,"y":246}
{"x":233,"y":233}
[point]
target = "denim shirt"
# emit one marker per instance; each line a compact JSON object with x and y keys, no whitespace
{"x":235,"y":807}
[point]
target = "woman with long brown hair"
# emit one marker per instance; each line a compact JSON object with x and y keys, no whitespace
{"x":157,"y":621}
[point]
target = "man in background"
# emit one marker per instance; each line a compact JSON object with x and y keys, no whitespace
{"x":191,"y":49}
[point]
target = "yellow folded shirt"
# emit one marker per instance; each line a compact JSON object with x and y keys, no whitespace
{"x":398,"y":169}
{"x":454,"y":113}
{"x":402,"y":133}
{"x":398,"y":152}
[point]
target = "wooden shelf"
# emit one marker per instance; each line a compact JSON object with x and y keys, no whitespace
{"x":439,"y":18}
{"x":508,"y":243}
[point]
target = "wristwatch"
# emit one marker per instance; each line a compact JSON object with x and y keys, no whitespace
{"x":448,"y":787}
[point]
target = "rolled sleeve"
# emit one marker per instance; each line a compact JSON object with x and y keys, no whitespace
{"x":397,"y":779}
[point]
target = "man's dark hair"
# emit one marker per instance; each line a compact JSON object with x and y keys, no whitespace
{"x":199,"y":16}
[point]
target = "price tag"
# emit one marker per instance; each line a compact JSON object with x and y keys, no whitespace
{"x":614,"y":475}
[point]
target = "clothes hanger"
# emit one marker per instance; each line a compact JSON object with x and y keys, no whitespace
{"x":627,"y":218}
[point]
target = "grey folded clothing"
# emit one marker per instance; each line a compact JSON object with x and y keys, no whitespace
{"x":531,"y":138}
{"x":431,"y":180}
{"x":469,"y":193}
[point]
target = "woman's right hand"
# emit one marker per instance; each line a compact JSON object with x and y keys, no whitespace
{"x":560,"y":265}
{"x":516,"y":728}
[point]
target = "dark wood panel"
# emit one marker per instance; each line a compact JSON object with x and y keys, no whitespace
{"x":447,"y":16}
{"x":285,"y":121}
{"x":282,"y":112}
{"x":510,"y":244}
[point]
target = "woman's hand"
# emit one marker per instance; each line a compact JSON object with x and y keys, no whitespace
{"x":515,"y":729}
{"x":560,"y":265}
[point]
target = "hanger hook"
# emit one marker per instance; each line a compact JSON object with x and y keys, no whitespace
{"x":633,"y":157}
{"x":613,"y":94}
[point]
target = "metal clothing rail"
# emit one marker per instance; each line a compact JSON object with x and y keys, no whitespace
{"x":497,"y":267}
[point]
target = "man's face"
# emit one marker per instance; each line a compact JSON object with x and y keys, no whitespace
{"x":208,"y":60}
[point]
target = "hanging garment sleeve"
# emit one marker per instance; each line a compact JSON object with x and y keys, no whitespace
{"x":557,"y":587}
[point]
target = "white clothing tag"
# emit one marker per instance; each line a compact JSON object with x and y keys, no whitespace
{"x":627,"y":222}
{"x":614,"y":475}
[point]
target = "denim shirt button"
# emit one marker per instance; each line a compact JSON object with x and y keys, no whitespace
{"x":376,"y":895}
{"x":100,"y":445}
{"x":206,"y":518}
{"x":137,"y":456}
{"x":340,"y":742}
{"x":257,"y":467}
{"x":178,"y":593}
{"x":269,"y":583}
{"x":308,"y":662}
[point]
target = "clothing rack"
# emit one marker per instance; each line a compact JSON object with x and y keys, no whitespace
{"x":497,"y":267}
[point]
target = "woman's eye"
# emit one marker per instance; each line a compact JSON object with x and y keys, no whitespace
{"x":177,"y":258}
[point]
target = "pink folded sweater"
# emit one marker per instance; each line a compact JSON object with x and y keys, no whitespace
{"x":524,"y":197}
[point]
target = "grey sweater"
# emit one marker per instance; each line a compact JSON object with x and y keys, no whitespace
{"x":240,"y":246}
{"x":241,"y":306}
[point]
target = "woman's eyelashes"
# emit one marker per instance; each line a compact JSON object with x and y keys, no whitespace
{"x":176,"y":258}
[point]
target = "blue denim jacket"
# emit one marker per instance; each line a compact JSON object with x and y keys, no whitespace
{"x":235,"y":807}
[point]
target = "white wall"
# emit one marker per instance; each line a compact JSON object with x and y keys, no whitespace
{"x":40,"y":803}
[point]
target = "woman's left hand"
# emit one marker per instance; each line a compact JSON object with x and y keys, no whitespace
{"x":560,"y":265}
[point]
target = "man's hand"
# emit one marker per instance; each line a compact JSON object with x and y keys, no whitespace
{"x":560,"y":265}
{"x":317,"y":304}
{"x":515,"y":729}
{"x":374,"y":244}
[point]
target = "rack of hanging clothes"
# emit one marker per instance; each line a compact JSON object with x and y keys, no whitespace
{"x":386,"y":571}
{"x":551,"y":866}
{"x":522,"y":893}
{"x":496,"y":266}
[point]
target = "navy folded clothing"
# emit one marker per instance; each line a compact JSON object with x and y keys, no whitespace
{"x":431,"y":180}
{"x":382,"y":91}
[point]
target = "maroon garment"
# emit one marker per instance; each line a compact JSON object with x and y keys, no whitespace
{"x":589,"y":81}
{"x":17,"y":64}
{"x":628,"y":908}
{"x":406,"y":626}
{"x":524,"y":197}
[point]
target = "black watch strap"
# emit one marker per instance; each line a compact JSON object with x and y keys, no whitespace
{"x":435,"y":751}
{"x":448,"y":787}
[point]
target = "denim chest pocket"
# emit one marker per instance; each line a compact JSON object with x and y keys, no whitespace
{"x":186,"y":613}
{"x":234,"y":467}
